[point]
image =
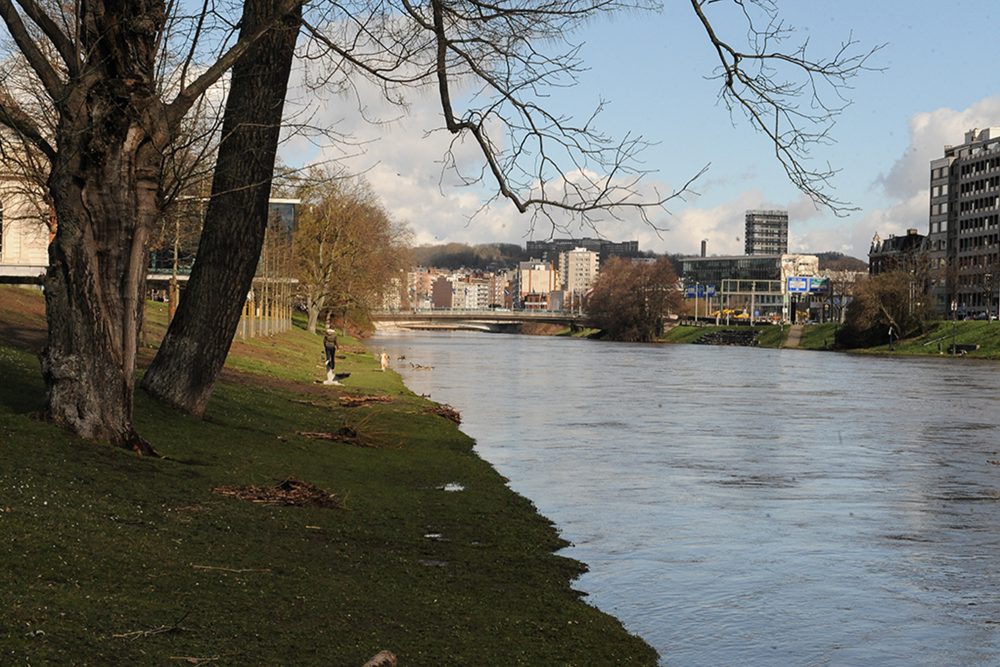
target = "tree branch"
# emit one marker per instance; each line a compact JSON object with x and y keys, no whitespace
{"x":186,"y":97}
{"x":26,"y":44}
{"x":55,"y":35}
{"x":12,"y":116}
{"x":751,"y":83}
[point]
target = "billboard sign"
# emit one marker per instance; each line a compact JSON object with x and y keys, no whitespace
{"x":797,"y":285}
{"x":805,"y":285}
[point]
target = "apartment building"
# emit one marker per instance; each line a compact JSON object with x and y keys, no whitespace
{"x":766,"y":233}
{"x":578,"y":270}
{"x":964,"y":236}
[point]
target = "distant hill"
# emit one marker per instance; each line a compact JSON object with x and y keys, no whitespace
{"x":838,"y":261}
{"x":484,"y":257}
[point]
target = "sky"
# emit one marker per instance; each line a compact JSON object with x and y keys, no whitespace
{"x":936,"y":80}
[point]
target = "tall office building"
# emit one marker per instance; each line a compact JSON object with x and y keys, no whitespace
{"x":964,"y":235}
{"x":766,"y":233}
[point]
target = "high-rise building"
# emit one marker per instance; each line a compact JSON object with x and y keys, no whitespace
{"x":578,"y":270}
{"x":766,"y":233}
{"x":964,"y":236}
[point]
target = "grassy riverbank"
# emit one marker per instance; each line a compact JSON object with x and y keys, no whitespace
{"x":109,"y":558}
{"x":935,"y":342}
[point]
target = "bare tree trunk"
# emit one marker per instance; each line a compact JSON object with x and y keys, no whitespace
{"x":103,"y":184}
{"x":94,"y":282}
{"x":198,"y":340}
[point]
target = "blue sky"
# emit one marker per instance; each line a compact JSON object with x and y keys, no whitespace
{"x":939,"y":80}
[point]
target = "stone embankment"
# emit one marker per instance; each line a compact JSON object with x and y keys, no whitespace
{"x":740,"y":337}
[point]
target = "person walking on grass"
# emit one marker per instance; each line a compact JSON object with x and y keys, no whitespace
{"x":330,"y":347}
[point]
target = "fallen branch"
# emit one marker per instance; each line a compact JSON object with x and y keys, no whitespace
{"x":161,"y":630}
{"x":230,"y":569}
{"x":290,"y":491}
{"x":446,"y":411}
{"x":359,"y":401}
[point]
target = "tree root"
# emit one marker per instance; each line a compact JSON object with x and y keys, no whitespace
{"x":139,"y":445}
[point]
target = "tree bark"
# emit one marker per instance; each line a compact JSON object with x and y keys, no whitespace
{"x":201,"y":333}
{"x":103,"y":184}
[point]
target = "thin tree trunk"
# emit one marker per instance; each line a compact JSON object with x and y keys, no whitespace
{"x":198,"y":340}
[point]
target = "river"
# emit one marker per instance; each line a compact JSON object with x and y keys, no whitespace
{"x":742,"y":506}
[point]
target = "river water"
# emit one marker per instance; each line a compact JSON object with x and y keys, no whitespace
{"x":742,"y":506}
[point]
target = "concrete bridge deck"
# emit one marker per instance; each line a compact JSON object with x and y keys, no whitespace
{"x":484,"y":320}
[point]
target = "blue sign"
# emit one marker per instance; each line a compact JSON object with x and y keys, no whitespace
{"x":702,"y":291}
{"x":797,"y":285}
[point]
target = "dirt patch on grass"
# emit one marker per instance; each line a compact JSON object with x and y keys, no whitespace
{"x":289,"y":491}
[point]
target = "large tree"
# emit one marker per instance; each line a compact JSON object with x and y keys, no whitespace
{"x":896,"y":300}
{"x":184,"y":370}
{"x":99,"y":66}
{"x":347,"y":248}
{"x":630,"y":299}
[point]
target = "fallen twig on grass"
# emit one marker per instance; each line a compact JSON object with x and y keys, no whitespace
{"x":191,"y":660}
{"x":161,"y":630}
{"x":446,"y":411}
{"x":362,"y":434}
{"x":290,"y":491}
{"x":360,"y":401}
{"x":231,"y":569}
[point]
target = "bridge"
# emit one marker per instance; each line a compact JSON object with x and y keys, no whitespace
{"x":477,"y":320}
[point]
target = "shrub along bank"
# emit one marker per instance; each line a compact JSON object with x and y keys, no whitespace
{"x":113,"y":559}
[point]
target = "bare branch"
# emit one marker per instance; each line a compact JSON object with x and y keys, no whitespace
{"x":752,"y":81}
{"x":12,"y":116}
{"x":34,"y":55}
{"x":187,"y":95}
{"x":52,"y":31}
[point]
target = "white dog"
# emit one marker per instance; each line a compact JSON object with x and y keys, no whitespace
{"x":384,"y":361}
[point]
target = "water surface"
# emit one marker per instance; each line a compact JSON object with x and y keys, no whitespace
{"x":744,"y":506}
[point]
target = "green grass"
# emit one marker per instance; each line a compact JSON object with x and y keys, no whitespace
{"x":818,"y":336}
{"x":939,"y":338}
{"x":108,"y":558}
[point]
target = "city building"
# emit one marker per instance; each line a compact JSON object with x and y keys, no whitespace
{"x":578,"y":271}
{"x":441,"y":292}
{"x":550,"y":250}
{"x":963,"y":240}
{"x":755,"y":285}
{"x":897,"y":253}
{"x":766,"y":233}
{"x":25,"y":229}
{"x":534,"y":284}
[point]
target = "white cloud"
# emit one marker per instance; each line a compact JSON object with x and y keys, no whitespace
{"x":929,"y":133}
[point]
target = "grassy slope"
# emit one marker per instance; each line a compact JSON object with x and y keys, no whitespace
{"x":984,"y":334}
{"x":96,"y":542}
{"x":822,"y":337}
